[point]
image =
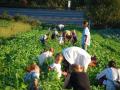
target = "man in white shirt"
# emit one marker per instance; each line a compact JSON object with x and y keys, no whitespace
{"x":85,"y":36}
{"x":42,"y":57}
{"x":76,"y":55}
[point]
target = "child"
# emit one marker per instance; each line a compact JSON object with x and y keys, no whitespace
{"x":42,"y":57}
{"x":32,"y":77}
{"x":78,"y":79}
{"x":61,"y":41}
{"x":68,"y":35}
{"x":57,"y":65}
{"x":43,"y":39}
{"x":111,"y":73}
{"x":74,"y":37}
{"x":85,"y":36}
{"x":54,"y":34}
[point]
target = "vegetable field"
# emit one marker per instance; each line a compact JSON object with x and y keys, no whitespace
{"x":18,"y":52}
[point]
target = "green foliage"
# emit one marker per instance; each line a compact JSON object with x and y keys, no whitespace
{"x":51,"y":4}
{"x":17,"y":53}
{"x":4,"y":23}
{"x":22,"y":18}
{"x":104,"y":13}
{"x":5,"y":15}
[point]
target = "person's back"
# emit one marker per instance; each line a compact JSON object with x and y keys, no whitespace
{"x":76,"y":55}
{"x":32,"y":77}
{"x":111,"y":75}
{"x":79,"y":81}
{"x":42,"y":57}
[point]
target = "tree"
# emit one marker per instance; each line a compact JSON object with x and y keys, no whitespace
{"x":104,"y":12}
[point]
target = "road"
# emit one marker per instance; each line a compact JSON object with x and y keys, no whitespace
{"x":49,"y":16}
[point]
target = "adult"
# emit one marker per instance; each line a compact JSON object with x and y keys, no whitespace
{"x":77,"y":55}
{"x":78,"y":79}
{"x":85,"y":36}
{"x":42,"y":57}
{"x":111,"y":75}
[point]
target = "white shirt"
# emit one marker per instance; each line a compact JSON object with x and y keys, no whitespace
{"x":111,"y":75}
{"x":61,"y":41}
{"x":61,"y":26}
{"x":76,"y":55}
{"x":87,"y":33}
{"x":44,"y":56}
{"x":56,"y":32}
{"x":57,"y":67}
{"x":45,"y":37}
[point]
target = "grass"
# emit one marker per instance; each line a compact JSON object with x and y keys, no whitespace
{"x":11,"y":28}
{"x":16,"y":53}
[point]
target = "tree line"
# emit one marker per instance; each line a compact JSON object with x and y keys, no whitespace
{"x":102,"y":13}
{"x":62,"y":4}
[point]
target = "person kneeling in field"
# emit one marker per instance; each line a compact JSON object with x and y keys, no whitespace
{"x":110,"y":76}
{"x":32,"y":77}
{"x":57,"y":65}
{"x":54,"y":34}
{"x":43,"y":38}
{"x":42,"y":57}
{"x":74,"y":37}
{"x":78,"y":79}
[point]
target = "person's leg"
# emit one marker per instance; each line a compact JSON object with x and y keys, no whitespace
{"x":82,"y":46}
{"x":85,"y":47}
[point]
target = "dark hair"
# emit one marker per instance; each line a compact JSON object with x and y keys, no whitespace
{"x":112,"y":64}
{"x":59,"y":54}
{"x":75,"y":67}
{"x":84,"y":22}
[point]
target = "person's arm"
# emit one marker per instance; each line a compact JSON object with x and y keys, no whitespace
{"x":36,"y":84}
{"x":67,"y":82}
{"x":51,"y":67}
{"x":101,"y":74}
{"x":64,"y":73}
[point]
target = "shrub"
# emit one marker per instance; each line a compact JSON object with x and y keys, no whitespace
{"x":5,"y":15}
{"x":104,"y":13}
{"x":34,"y":22}
{"x":22,"y":18}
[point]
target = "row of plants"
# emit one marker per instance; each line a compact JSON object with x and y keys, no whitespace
{"x":51,"y":4}
{"x":18,"y":52}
